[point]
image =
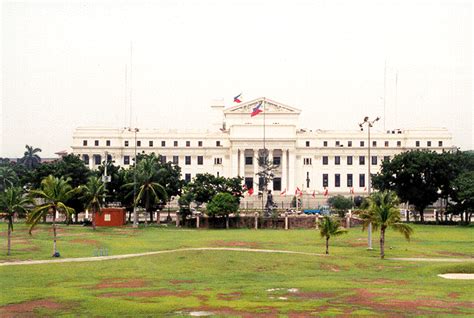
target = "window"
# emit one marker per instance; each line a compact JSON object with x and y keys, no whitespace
{"x":97,"y":159}
{"x":374,"y":143}
{"x":362,"y":143}
{"x":200,"y":160}
{"x":96,"y":142}
{"x":199,"y":143}
{"x":428,"y":143}
{"x":325,"y":180}
{"x":386,"y":143}
{"x":85,"y":158}
{"x":126,"y":143}
{"x":277,"y":184}
{"x":276,"y":161}
{"x":84,"y":142}
{"x":217,"y":175}
{"x":175,"y":160}
{"x":175,"y":143}
{"x":187,"y":160}
{"x":249,"y":183}
{"x":308,"y":180}
{"x":109,"y":158}
{"x":349,"y":179}
{"x":249,"y":160}
{"x":126,"y":160}
{"x":337,"y":160}
{"x":163,"y":143}
{"x":374,"y":160}
{"x":325,"y":143}
{"x":338,"y":143}
{"x":260,"y":184}
{"x":217,"y":161}
{"x":337,"y":180}
{"x":188,"y":143}
{"x":307,"y":143}
{"x":150,"y":143}
{"x":349,"y":160}
{"x":362,"y":180}
{"x":325,"y":160}
{"x":139,"y":143}
{"x":162,"y":159}
{"x":218,"y":143}
{"x":107,"y":143}
{"x":361,"y":160}
{"x":399,"y":143}
{"x":307,"y":161}
{"x":187,"y":177}
{"x":417,"y":143}
{"x":440,"y":143}
{"x":386,"y":158}
{"x":349,"y":143}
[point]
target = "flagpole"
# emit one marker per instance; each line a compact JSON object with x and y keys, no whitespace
{"x":264,"y":156}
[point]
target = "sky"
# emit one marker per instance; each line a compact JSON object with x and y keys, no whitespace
{"x":68,"y":64}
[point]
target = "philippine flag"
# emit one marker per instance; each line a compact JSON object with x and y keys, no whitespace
{"x":257,"y":110}
{"x":283,"y":193}
{"x":314,"y":194}
{"x":326,"y":192}
{"x":250,"y":192}
{"x":238,"y":98}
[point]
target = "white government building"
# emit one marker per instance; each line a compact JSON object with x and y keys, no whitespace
{"x":311,"y":160}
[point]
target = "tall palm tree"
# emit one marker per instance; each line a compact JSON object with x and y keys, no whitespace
{"x":93,"y":194}
{"x":30,"y":158}
{"x":330,"y":226}
{"x":54,"y":192}
{"x":8,"y":177}
{"x":12,"y":200}
{"x":149,"y":191}
{"x":383,"y":212}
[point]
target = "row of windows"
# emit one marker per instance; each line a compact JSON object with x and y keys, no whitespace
{"x":349,"y":160}
{"x":249,"y":183}
{"x":275,"y":160}
{"x":97,"y":159}
{"x":150,"y":143}
{"x":349,"y":179}
{"x":386,"y":143}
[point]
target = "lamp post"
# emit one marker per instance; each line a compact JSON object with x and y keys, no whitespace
{"x":135,"y":216}
{"x":370,"y":124}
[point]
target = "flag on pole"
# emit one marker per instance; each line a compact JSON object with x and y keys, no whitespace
{"x":283,"y":193}
{"x":250,"y":191}
{"x":238,"y":98}
{"x":314,"y":194}
{"x":326,"y":192}
{"x":297,"y":191}
{"x":256,"y":110}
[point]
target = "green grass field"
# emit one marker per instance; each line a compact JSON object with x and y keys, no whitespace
{"x":350,"y":281}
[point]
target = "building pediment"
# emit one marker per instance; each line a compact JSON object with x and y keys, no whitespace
{"x":269,"y":106}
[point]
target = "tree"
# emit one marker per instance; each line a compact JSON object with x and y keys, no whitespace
{"x":8,"y":177}
{"x":464,"y":194}
{"x":93,"y":194}
{"x":222,"y":204}
{"x":413,"y":176}
{"x":341,"y":204}
{"x":12,"y":201}
{"x":54,"y":192}
{"x":383,"y":212}
{"x":205,"y":186}
{"x":30,"y":158}
{"x":330,"y":226}
{"x":265,"y":176}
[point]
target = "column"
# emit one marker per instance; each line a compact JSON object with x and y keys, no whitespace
{"x":291,"y":169}
{"x":234,"y":162}
{"x":242,"y":163}
{"x":284,"y":169}
{"x":255,"y":169}
{"x":270,"y":160}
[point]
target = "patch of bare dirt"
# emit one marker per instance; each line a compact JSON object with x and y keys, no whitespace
{"x":117,"y":283}
{"x":229,"y":296}
{"x":453,"y":295}
{"x":86,"y":242}
{"x":181,"y":281}
{"x":330,"y":267}
{"x":27,"y":308}
{"x":454,"y":254}
{"x":235,"y":244}
{"x":263,"y":312}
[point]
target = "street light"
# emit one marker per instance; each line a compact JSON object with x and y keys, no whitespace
{"x":135,"y":216}
{"x":370,"y":124}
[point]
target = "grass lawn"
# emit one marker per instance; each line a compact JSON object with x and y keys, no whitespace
{"x":350,"y":281}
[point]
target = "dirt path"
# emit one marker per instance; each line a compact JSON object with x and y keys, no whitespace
{"x":105,"y":258}
{"x":123,"y":256}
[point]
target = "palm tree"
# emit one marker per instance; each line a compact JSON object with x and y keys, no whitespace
{"x":8,"y":177}
{"x":383,"y":212}
{"x":330,"y":226}
{"x":30,"y":158}
{"x":12,"y":201}
{"x":149,"y":191}
{"x":54,"y":193}
{"x":93,"y":195}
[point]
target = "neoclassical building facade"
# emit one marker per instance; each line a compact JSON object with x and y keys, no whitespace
{"x":311,"y":160}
